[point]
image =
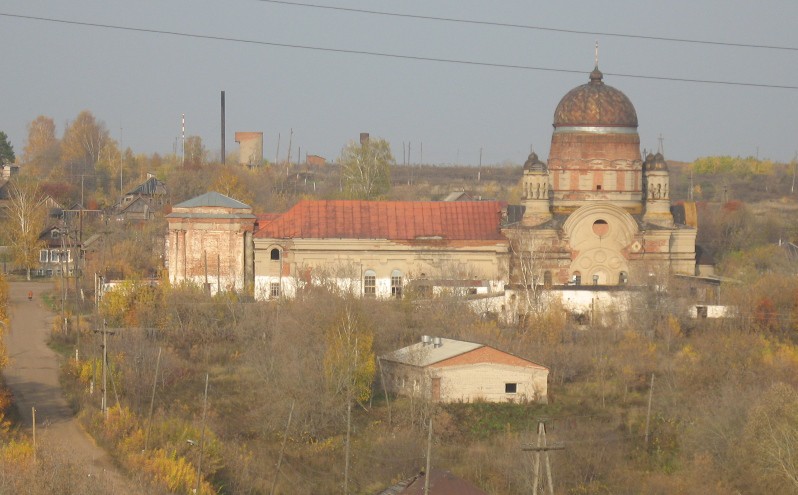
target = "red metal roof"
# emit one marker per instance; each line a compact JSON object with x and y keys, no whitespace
{"x":393,"y":220}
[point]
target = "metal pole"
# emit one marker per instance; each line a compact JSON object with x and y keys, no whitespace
{"x":223,"y":151}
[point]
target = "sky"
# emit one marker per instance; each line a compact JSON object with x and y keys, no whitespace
{"x":139,"y":83}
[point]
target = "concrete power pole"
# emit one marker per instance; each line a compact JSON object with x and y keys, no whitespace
{"x":537,"y":449}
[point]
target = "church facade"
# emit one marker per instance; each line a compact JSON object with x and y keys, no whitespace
{"x":597,"y":213}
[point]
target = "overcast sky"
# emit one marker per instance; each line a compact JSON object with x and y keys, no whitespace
{"x":139,"y":83}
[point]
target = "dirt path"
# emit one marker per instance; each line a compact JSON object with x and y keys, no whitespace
{"x":32,"y":376}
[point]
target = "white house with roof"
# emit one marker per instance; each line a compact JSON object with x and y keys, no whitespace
{"x":448,"y":370}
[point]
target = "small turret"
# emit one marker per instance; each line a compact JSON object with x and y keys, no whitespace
{"x":535,"y":195}
{"x":657,"y":183}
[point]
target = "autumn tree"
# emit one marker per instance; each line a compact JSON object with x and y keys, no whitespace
{"x":6,"y":150}
{"x":230,"y":184}
{"x":349,"y":365}
{"x":195,"y":154}
{"x":83,"y":141}
{"x":25,"y":215}
{"x":770,"y":439}
{"x":42,"y":150}
{"x":366,"y":168}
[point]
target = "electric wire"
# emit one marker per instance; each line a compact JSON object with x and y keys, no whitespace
{"x":393,"y":55}
{"x":531,"y":27}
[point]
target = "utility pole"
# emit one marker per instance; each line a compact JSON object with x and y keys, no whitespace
{"x":277,"y":153}
{"x":202,"y":438}
{"x":104,"y":400}
{"x":429,"y":458}
{"x":152,"y":400}
{"x":542,"y":447}
{"x":282,"y":449}
{"x":479,"y":170}
{"x":183,"y":139}
{"x":648,"y":411}
{"x":121,"y":153}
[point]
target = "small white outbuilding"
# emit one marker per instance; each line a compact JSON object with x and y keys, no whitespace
{"x":448,"y":370}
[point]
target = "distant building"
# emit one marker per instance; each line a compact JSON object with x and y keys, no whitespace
{"x":56,"y":256}
{"x":448,"y":370}
{"x":143,"y":201}
{"x":315,"y":160}
{"x":9,"y":170}
{"x":250,"y":151}
{"x":210,"y":243}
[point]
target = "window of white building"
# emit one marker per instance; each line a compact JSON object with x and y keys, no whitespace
{"x":396,"y":284}
{"x":370,"y":284}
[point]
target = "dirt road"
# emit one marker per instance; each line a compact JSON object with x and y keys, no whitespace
{"x":32,"y":376}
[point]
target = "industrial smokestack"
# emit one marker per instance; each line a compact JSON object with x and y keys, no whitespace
{"x":364,"y":138}
{"x":223,"y":152}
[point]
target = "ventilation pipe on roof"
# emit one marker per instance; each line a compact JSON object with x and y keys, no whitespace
{"x":426,"y":340}
{"x":437,"y":342}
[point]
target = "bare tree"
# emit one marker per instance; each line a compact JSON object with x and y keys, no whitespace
{"x":25,"y":217}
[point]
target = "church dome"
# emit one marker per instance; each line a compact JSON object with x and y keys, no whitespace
{"x":595,"y":104}
{"x":534,"y":164}
{"x":655,"y":162}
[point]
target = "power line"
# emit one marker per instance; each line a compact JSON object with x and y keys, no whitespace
{"x":531,"y":27}
{"x":392,"y":55}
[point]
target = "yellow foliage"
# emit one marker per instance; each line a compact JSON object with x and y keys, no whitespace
{"x":689,"y":354}
{"x":17,"y":455}
{"x":349,"y":362}
{"x":327,"y":445}
{"x":172,"y":471}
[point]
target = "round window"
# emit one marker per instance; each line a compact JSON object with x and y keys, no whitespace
{"x":601,"y":227}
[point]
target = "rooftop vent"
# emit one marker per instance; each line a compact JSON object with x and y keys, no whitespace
{"x":426,"y":340}
{"x":437,"y":342}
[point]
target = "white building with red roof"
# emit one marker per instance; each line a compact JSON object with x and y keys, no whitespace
{"x":448,"y":370}
{"x":382,"y":248}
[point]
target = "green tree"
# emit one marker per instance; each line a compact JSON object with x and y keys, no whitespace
{"x":6,"y":150}
{"x":366,"y":168}
{"x":25,"y":217}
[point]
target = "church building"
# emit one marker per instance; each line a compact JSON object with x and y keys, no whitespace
{"x":597,"y":213}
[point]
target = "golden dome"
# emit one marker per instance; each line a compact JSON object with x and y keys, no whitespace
{"x":595,"y":104}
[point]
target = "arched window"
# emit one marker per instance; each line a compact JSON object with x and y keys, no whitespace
{"x":275,"y":254}
{"x":576,"y":278}
{"x":547,"y":278}
{"x":623,"y":278}
{"x":396,"y":284}
{"x":370,"y":284}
